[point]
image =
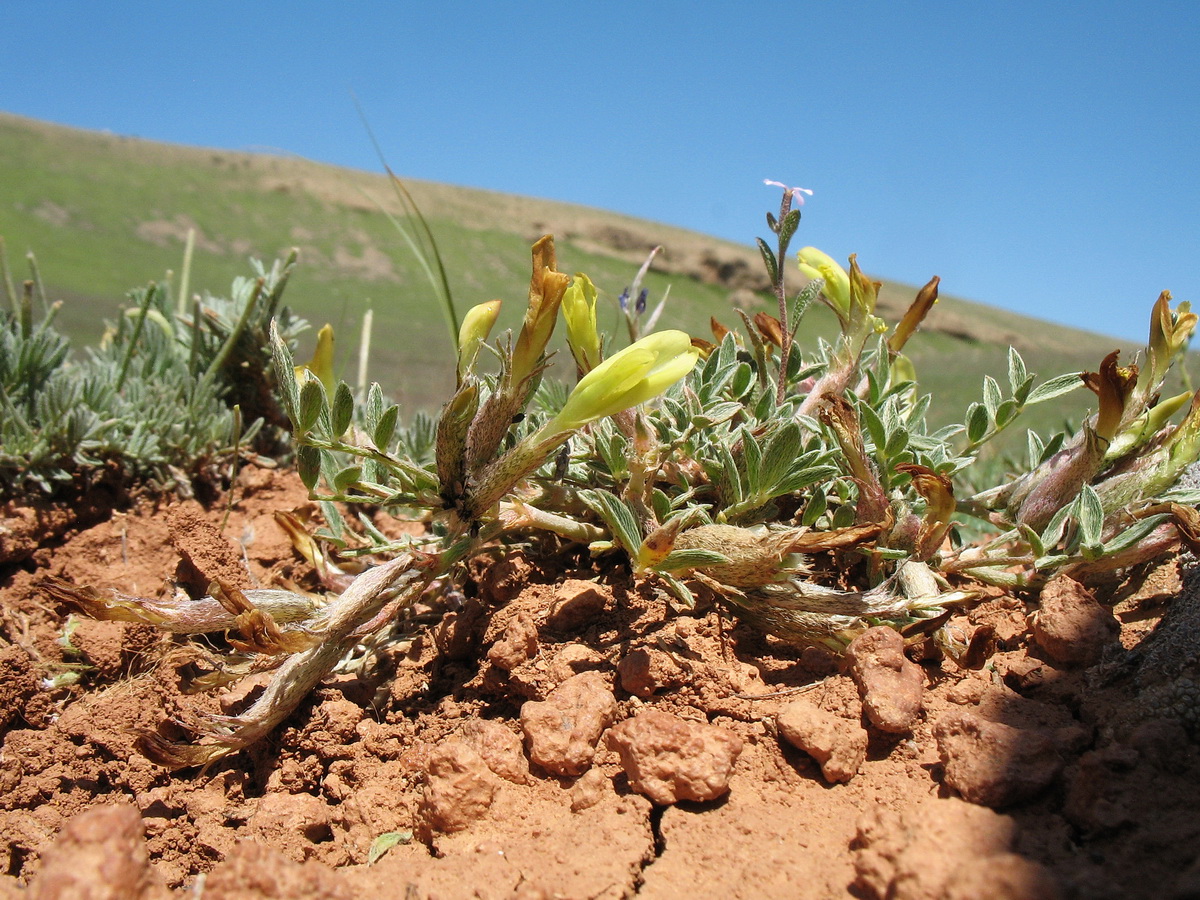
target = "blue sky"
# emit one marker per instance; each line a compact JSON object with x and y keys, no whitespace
{"x":1037,"y":156}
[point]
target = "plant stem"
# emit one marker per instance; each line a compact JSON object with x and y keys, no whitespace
{"x":147,"y":298}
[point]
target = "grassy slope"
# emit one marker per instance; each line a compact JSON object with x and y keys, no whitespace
{"x":104,"y":213}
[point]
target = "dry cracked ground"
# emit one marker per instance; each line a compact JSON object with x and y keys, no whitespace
{"x":565,"y":733}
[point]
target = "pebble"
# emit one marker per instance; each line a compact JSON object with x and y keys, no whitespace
{"x":838,"y":745}
{"x":669,"y":759}
{"x":891,"y":685}
{"x":1070,"y":626}
{"x":993,"y":764}
{"x":563,"y":730}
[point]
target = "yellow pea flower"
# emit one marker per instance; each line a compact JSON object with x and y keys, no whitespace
{"x":638,"y":373}
{"x":816,"y":264}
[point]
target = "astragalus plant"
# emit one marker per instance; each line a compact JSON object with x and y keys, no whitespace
{"x":802,"y":492}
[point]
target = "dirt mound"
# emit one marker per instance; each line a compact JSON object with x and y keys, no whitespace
{"x":566,"y":733}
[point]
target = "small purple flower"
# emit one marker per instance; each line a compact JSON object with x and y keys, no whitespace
{"x":624,"y":299}
{"x":796,"y":192}
{"x":641,"y":301}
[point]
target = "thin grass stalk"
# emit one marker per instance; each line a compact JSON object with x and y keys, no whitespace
{"x":226,"y":350}
{"x":364,"y":350}
{"x":137,"y":333}
{"x":10,"y":290}
{"x":185,"y":273}
{"x":235,"y":466}
{"x":36,"y":274}
{"x":439,"y":280}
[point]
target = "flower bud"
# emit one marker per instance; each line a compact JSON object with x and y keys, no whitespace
{"x":579,"y":312}
{"x":546,"y":288}
{"x":915,"y":315}
{"x":770,"y":328}
{"x":1169,"y":334}
{"x":476,"y":326}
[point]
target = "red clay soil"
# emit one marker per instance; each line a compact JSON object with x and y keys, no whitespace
{"x":564,"y":733}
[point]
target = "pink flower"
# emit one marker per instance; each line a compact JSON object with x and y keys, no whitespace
{"x":796,"y":192}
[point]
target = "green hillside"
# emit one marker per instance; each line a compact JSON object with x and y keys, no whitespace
{"x":105,"y":213}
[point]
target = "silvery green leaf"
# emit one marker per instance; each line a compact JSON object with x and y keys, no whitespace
{"x":386,"y":842}
{"x":333,"y":518}
{"x":991,"y":395}
{"x":788,"y":226}
{"x":346,"y":477}
{"x":308,"y":465}
{"x":752,"y":469}
{"x":1016,"y":370}
{"x":661,"y":504}
{"x":312,"y":402}
{"x":716,"y":413}
{"x":977,"y":422}
{"x":1034,"y":540}
{"x":1055,"y":387}
{"x":783,"y":447}
{"x":373,"y":407}
{"x":803,"y":301}
{"x":386,"y":427}
{"x":1053,"y":446}
{"x":679,"y":589}
{"x":1054,"y":529}
{"x":874,"y":424}
{"x":768,"y":258}
{"x":343,"y":409}
{"x":896,"y":444}
{"x":1035,"y":448}
{"x":730,"y":476}
{"x":814,"y":509}
{"x":1005,"y":413}
{"x":1134,"y":533}
{"x":678,"y":560}
{"x":1021,"y":394}
{"x":1090,"y":516}
{"x":743,"y":377}
{"x":617,"y":516}
{"x":802,"y":479}
{"x":1050,"y":562}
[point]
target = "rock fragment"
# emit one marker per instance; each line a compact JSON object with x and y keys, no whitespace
{"x":891,"y":685}
{"x":993,"y":764}
{"x":562,"y":731}
{"x":645,"y":671}
{"x":838,"y":745}
{"x":517,"y":645}
{"x":589,"y":790}
{"x":944,"y":850}
{"x":576,"y":605}
{"x":499,"y":747}
{"x":459,"y":787}
{"x":1070,"y":626}
{"x":100,"y":855}
{"x":669,"y":759}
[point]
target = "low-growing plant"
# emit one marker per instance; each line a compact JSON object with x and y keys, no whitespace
{"x":161,"y":398}
{"x":802,"y":493}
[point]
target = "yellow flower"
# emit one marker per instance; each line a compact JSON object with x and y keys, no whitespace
{"x":579,"y":312}
{"x":321,"y":364}
{"x":638,"y":373}
{"x":815,"y":264}
{"x":476,"y":326}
